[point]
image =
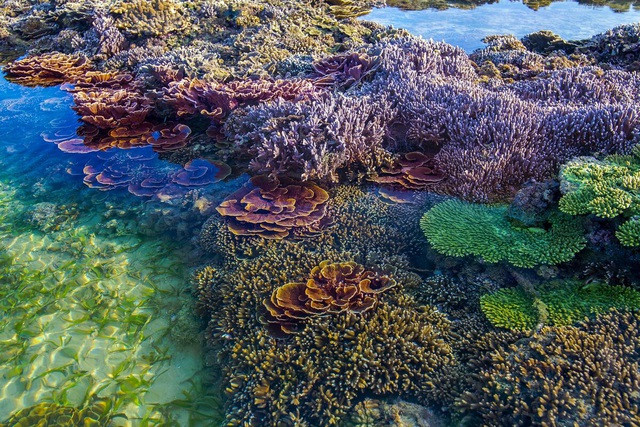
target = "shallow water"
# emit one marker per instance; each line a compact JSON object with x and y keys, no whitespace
{"x":467,"y":27}
{"x":94,"y":292}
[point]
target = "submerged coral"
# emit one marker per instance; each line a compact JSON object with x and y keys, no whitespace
{"x":584,"y":374}
{"x":316,"y":375}
{"x":273,"y":208}
{"x":458,"y":228}
{"x":330,"y":289}
{"x":557,"y":303}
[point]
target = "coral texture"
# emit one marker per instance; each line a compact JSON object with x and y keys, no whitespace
{"x":458,"y":228}
{"x":586,"y":374}
{"x":556,"y":303}
{"x":330,"y":289}
{"x":47,"y":69}
{"x":273,"y":208}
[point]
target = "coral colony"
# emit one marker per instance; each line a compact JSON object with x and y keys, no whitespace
{"x":381,"y":218}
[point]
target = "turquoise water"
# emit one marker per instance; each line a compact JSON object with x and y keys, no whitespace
{"x":95,"y":294}
{"x":466,"y":28}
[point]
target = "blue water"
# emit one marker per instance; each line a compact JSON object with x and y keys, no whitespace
{"x":467,"y":28}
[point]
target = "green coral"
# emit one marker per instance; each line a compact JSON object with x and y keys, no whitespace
{"x":458,"y":228}
{"x":557,"y":303}
{"x":607,"y":188}
{"x":629,"y":233}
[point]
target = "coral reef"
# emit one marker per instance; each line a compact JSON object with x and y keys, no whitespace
{"x":274,"y":208}
{"x":555,"y":303}
{"x":47,"y":69}
{"x":330,"y":289}
{"x":583,"y":374}
{"x":315,"y":376}
{"x":607,"y":189}
{"x":457,"y":228}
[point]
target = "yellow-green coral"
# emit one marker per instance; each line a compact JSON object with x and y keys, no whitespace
{"x":608,"y":188}
{"x":96,"y":414}
{"x":629,"y":233}
{"x":557,"y":303}
{"x":458,"y":228}
{"x":314,"y":377}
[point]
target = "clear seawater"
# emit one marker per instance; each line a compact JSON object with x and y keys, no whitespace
{"x":94,"y":289}
{"x":467,"y":27}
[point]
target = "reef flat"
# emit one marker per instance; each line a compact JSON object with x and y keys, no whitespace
{"x":370,"y":226}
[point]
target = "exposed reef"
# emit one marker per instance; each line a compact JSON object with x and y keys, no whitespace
{"x":325,"y":295}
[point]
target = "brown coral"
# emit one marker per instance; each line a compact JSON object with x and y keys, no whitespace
{"x":216,"y":101}
{"x":163,"y":137}
{"x":108,"y":109}
{"x":581,"y":375}
{"x":151,"y":17}
{"x":411,"y":172}
{"x":331,"y":288}
{"x":273,"y":208}
{"x":47,"y":70}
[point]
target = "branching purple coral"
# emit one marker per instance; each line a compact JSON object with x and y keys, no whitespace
{"x":424,"y":96}
{"x":317,"y":139}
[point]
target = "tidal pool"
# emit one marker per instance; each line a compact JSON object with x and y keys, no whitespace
{"x":467,"y":27}
{"x":94,"y":288}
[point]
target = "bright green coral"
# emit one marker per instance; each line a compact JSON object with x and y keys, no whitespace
{"x":629,"y":232}
{"x":458,"y":228}
{"x":606,"y":188}
{"x":557,"y":303}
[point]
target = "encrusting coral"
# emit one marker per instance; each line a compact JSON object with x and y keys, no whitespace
{"x":274,"y":208}
{"x":608,"y":188}
{"x":330,"y":289}
{"x":588,"y":374}
{"x":555,"y":303}
{"x":457,"y":228}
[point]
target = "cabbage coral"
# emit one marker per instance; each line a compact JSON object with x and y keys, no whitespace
{"x":331,"y":288}
{"x":608,"y":188}
{"x":457,"y":228}
{"x":557,"y":303}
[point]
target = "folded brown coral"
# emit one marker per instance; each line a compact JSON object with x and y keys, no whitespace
{"x":162,"y":137}
{"x":411,"y":172}
{"x":273,"y":208}
{"x":194,"y":96}
{"x":108,"y":109}
{"x":49,"y":69}
{"x":345,"y":69}
{"x":330,"y":289}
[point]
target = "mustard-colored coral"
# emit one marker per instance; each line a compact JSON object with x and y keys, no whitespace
{"x":587,"y":374}
{"x":315,"y":376}
{"x":150,"y":17}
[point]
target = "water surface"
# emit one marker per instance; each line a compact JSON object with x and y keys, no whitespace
{"x":467,"y":27}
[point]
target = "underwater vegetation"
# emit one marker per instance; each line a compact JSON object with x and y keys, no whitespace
{"x":555,"y":303}
{"x":459,"y":228}
{"x":609,"y":188}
